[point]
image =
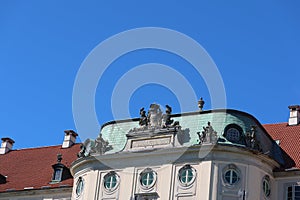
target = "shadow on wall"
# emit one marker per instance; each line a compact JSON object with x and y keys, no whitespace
{"x":184,"y":136}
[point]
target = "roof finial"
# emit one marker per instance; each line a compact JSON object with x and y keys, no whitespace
{"x":201,"y":103}
{"x":59,"y":158}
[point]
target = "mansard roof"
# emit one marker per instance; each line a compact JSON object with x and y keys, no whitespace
{"x":191,"y":123}
{"x":31,"y":168}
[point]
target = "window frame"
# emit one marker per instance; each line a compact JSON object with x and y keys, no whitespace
{"x":240,"y":132}
{"x":231,"y":169}
{"x":293,"y":186}
{"x":111,"y":175}
{"x":79,"y":184}
{"x":147,"y":172}
{"x":266,"y":181}
{"x":57,"y":174}
{"x":186,"y":169}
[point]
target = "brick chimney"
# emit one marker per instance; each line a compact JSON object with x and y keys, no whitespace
{"x":70,"y":138}
{"x":6,"y":145}
{"x":294,"y":115}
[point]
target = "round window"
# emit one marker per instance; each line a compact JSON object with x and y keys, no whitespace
{"x":111,"y":181}
{"x":231,"y":176}
{"x":233,"y":133}
{"x":266,"y":186}
{"x":79,"y":186}
{"x":147,"y":178}
{"x":186,"y":175}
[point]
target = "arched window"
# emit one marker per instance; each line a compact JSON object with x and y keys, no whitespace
{"x":234,"y":133}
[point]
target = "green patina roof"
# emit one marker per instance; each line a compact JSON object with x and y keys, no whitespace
{"x":191,"y":123}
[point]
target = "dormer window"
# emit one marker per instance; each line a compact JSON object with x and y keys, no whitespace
{"x":57,"y":174}
{"x":61,"y":172}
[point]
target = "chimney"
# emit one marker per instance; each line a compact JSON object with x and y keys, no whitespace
{"x":294,"y":115}
{"x":6,"y":145}
{"x":70,"y":138}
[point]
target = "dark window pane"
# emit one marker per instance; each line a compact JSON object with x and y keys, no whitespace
{"x":297,"y":194}
{"x":57,"y":174}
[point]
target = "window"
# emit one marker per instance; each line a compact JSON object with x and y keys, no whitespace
{"x":266,"y":186}
{"x":60,"y":171}
{"x":111,"y":181}
{"x":186,"y":175}
{"x":147,"y":178}
{"x":57,"y":174}
{"x":231,"y":175}
{"x":233,"y":133}
{"x":79,"y":187}
{"x":293,"y":192}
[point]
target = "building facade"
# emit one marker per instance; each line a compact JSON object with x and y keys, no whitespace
{"x":214,"y":155}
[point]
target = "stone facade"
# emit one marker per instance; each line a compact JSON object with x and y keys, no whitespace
{"x":213,"y":155}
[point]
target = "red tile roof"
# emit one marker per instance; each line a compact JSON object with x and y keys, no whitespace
{"x":33,"y":167}
{"x":289,"y":138}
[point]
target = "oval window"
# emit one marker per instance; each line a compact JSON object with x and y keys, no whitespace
{"x":79,"y":186}
{"x":186,"y":175}
{"x":266,"y":186}
{"x":231,"y":175}
{"x":147,"y":178}
{"x":111,"y":181}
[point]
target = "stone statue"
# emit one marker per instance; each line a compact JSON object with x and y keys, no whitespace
{"x":100,"y":145}
{"x":155,"y":120}
{"x":208,"y":135}
{"x":143,"y":118}
{"x":166,"y":118}
{"x":251,"y":140}
{"x":154,"y":115}
{"x":82,"y":151}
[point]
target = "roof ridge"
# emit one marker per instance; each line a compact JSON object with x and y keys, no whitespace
{"x":278,"y":123}
{"x":43,"y":147}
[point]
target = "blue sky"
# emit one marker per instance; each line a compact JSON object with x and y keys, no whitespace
{"x":255,"y":45}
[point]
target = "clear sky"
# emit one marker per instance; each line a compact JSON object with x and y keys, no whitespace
{"x":255,"y":45}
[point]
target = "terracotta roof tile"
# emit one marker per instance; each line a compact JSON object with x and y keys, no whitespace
{"x":33,"y":167}
{"x":289,"y":138}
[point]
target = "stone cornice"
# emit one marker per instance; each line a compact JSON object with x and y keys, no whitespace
{"x":226,"y":153}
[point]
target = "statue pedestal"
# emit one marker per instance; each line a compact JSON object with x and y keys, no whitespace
{"x":149,"y":138}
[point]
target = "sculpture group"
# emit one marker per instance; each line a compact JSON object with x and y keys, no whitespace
{"x":156,"y":118}
{"x":208,"y":135}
